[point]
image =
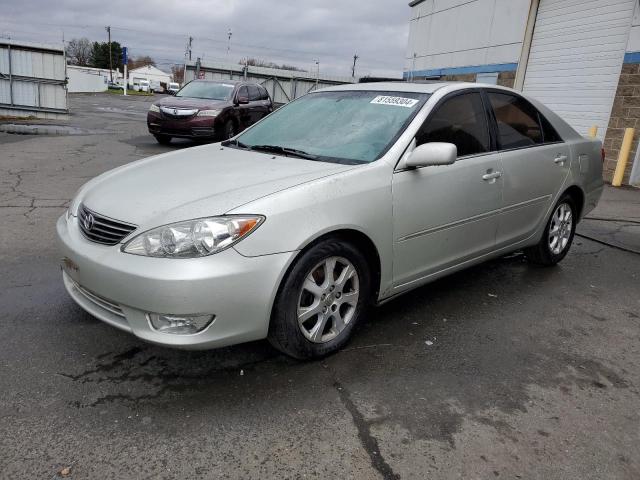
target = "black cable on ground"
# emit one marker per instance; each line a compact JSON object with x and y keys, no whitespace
{"x":619,"y":220}
{"x":602,"y":242}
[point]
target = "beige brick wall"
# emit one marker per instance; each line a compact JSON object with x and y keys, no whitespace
{"x":507,"y":79}
{"x":625,"y":114}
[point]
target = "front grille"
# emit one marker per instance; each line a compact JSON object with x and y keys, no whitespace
{"x":101,"y":229}
{"x":100,"y":301}
{"x":178,"y":113}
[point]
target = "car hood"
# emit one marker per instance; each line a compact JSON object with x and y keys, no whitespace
{"x":196,"y":182}
{"x":187,"y":102}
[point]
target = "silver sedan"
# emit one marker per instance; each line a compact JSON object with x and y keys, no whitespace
{"x":340,"y":200}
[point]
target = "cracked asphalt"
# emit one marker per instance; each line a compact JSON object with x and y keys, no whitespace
{"x":528,"y":372}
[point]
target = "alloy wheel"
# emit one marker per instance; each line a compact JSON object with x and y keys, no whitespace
{"x":560,"y":229}
{"x":328,"y":299}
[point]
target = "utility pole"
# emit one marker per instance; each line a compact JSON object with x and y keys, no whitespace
{"x":189,"y":47}
{"x":317,"y":72}
{"x":229,"y":33}
{"x":353,"y":68}
{"x":108,"y":28}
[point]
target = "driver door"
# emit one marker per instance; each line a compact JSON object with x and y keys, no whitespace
{"x":446,"y":215}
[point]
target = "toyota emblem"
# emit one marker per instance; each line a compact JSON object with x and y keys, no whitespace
{"x":88,"y":222}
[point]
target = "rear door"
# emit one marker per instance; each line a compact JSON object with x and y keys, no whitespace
{"x":535,"y":162}
{"x":445,"y":215}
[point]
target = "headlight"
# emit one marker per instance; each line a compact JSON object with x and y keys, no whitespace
{"x":154,"y":108}
{"x":193,"y":238}
{"x":208,"y":113}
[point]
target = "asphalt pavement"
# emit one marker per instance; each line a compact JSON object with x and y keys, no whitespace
{"x":502,"y":371}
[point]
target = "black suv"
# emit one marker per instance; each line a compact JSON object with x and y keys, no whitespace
{"x":206,"y":109}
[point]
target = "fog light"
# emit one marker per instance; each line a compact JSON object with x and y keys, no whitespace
{"x":179,"y":324}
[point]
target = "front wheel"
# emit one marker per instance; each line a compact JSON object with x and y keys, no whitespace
{"x":320,"y":301}
{"x":558,"y":234}
{"x":163,"y":139}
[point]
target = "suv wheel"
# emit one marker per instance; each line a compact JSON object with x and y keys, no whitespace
{"x":321,"y":300}
{"x":163,"y":139}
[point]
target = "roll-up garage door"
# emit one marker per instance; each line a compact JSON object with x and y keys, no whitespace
{"x":576,"y":56}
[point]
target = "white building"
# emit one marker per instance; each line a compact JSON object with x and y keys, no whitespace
{"x":152,"y":74}
{"x":580,"y":58}
{"x":87,"y":79}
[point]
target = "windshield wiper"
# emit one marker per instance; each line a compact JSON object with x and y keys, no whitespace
{"x":292,"y":152}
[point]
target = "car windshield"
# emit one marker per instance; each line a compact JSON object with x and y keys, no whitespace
{"x":208,"y":90}
{"x":344,"y":126}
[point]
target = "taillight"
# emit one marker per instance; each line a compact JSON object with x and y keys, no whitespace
{"x":602,"y":154}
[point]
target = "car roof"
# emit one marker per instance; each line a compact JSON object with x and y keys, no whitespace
{"x":228,"y":82}
{"x":393,"y":86}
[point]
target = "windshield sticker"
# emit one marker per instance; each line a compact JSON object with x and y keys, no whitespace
{"x":396,"y":101}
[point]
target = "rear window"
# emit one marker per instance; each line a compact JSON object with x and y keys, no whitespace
{"x":254,"y":93}
{"x":518,"y":122}
{"x":549,"y":133}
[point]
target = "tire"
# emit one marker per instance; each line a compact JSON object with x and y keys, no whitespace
{"x":553,"y":247}
{"x":329,"y":317}
{"x":163,"y":139}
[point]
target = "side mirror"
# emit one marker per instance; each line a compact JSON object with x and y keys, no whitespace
{"x":242,"y":100}
{"x":432,"y":154}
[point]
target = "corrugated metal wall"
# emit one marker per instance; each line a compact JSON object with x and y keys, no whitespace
{"x":282,"y":85}
{"x":32,"y":80}
{"x":576,"y":55}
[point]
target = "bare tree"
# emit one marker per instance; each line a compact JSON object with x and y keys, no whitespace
{"x":258,"y":62}
{"x":141,"y":62}
{"x":79,"y":51}
{"x":177,"y":72}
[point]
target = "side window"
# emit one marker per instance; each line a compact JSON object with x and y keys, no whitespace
{"x":549,"y":133}
{"x":243,"y":92}
{"x":518,"y":122}
{"x":263,"y":93}
{"x":460,"y":120}
{"x":254,"y":93}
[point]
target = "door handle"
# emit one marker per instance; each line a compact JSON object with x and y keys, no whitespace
{"x":491,"y":176}
{"x":560,"y":159}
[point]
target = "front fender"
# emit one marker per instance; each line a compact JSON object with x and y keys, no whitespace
{"x":359,"y":199}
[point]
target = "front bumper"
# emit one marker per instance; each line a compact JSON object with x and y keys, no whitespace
{"x":121,"y":288}
{"x":191,"y":127}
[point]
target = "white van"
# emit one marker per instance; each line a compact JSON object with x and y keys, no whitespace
{"x":141,"y":85}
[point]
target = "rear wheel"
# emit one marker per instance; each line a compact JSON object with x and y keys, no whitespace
{"x":163,"y":139}
{"x":320,"y":301}
{"x":558,"y":234}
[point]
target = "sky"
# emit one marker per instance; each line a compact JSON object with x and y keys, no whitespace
{"x":294,"y":32}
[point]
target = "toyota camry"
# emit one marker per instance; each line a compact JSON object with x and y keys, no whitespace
{"x":339,"y":201}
